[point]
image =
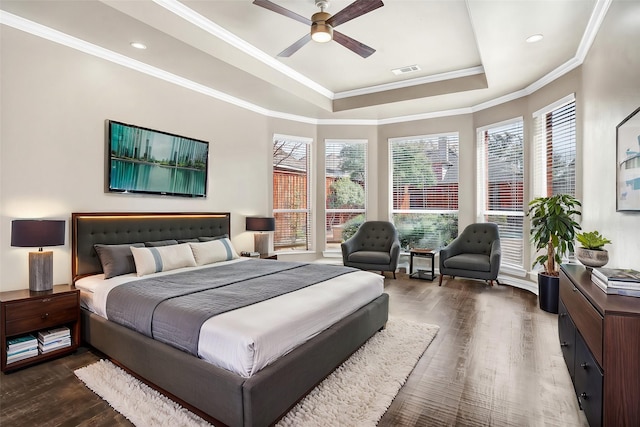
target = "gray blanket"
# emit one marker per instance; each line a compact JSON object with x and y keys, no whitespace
{"x":173,"y":308}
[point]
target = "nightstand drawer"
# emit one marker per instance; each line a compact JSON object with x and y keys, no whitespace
{"x":41,"y":313}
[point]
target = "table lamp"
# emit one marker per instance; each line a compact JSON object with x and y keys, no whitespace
{"x":32,"y":233}
{"x":261,"y":240}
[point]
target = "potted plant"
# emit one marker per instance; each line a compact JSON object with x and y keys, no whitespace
{"x":553,"y":229}
{"x":592,"y":252}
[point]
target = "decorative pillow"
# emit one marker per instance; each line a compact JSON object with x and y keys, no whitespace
{"x":213,"y":251}
{"x":162,"y":258}
{"x":161,"y":243}
{"x":208,"y":239}
{"x":116,"y":260}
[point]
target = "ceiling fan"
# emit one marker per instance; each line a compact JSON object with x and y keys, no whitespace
{"x":322,"y":24}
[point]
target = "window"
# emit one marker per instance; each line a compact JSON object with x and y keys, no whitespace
{"x":500,"y":186}
{"x":345,"y":189}
{"x":425,"y":189}
{"x":291,"y":193}
{"x":554,"y":170}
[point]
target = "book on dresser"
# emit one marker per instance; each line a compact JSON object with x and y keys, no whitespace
{"x":623,"y":275}
{"x":612,"y":290}
{"x":617,"y":281}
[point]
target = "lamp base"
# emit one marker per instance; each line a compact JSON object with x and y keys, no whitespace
{"x":40,"y":271}
{"x":261,"y":243}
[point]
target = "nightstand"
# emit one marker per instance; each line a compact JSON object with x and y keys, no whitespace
{"x":25,"y":312}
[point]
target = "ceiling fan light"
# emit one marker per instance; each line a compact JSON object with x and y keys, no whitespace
{"x":321,"y":33}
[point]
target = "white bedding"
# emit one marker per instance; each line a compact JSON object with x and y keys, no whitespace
{"x":248,"y":339}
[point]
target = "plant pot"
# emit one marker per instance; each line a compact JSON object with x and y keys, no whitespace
{"x":592,"y":257}
{"x":548,"y":289}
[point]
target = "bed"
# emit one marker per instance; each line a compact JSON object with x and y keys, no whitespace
{"x":256,"y":393}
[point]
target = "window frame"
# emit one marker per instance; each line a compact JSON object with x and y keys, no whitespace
{"x":483,"y":211}
{"x":328,"y":210}
{"x":431,"y":240}
{"x":309,"y":210}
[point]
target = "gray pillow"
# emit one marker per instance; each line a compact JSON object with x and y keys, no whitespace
{"x":161,"y":243}
{"x":116,"y":260}
{"x":208,"y":239}
{"x":194,"y":240}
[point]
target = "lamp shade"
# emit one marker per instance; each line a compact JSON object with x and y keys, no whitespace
{"x":255,"y":223}
{"x":33,"y":233}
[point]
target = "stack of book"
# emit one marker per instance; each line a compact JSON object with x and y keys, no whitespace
{"x":21,"y":348}
{"x":617,"y":281}
{"x":54,"y":339}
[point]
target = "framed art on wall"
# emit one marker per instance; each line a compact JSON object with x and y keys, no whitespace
{"x":628,"y":163}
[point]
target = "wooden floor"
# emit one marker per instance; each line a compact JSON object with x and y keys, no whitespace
{"x":496,"y":361}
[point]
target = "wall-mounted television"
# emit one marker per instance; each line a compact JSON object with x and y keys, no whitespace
{"x":142,"y":160}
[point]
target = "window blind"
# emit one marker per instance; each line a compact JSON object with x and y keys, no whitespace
{"x":291,"y":193}
{"x":424,"y":191}
{"x":501,"y":186}
{"x":345,"y":189}
{"x":555,"y":149}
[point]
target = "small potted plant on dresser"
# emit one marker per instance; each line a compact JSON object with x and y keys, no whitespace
{"x":553,"y":229}
{"x":592,"y":252}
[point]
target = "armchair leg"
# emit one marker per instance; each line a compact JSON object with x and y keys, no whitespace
{"x":440,"y":281}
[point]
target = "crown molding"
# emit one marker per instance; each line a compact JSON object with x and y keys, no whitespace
{"x":50,"y":34}
{"x":410,"y":82}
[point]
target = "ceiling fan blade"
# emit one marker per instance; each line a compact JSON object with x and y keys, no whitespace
{"x":355,"y":9}
{"x":296,"y":46}
{"x":282,"y":11}
{"x":353,"y":45}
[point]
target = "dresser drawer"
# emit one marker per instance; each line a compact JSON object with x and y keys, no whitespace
{"x":40,"y":313}
{"x":585,"y":317}
{"x":567,"y":336}
{"x":588,"y":384}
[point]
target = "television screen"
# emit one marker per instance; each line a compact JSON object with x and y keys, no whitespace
{"x":149,"y":161}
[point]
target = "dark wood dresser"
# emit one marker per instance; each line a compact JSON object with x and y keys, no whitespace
{"x":600,"y":341}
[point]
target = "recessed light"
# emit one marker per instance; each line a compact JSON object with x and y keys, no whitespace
{"x":534,"y":38}
{"x":138,"y":45}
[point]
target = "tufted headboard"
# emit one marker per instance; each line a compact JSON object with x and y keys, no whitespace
{"x":112,"y":228}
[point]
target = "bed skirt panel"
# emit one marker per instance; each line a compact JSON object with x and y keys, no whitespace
{"x":212,"y":390}
{"x":267,"y":392}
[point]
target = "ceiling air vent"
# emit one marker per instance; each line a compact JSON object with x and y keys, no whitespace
{"x":405,"y":70}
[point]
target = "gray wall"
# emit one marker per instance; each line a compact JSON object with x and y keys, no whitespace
{"x":55,"y":101}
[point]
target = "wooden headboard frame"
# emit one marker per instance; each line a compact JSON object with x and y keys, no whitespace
{"x":114,"y":228}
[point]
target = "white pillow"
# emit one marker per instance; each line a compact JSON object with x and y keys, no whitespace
{"x":213,"y":251}
{"x":162,"y":258}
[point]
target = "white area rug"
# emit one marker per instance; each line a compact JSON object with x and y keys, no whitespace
{"x":357,"y":393}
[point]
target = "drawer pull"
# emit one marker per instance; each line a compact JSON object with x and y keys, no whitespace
{"x":584,"y":365}
{"x":584,"y":396}
{"x":564,"y":344}
{"x":46,"y":299}
{"x":575,"y":289}
{"x":44,"y":316}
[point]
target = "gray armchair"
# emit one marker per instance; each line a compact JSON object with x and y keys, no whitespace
{"x":375,"y":246}
{"x":475,"y":254}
